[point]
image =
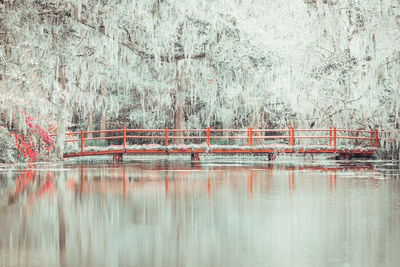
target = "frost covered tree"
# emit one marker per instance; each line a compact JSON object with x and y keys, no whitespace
{"x":186,"y":65}
{"x":45,"y":60}
{"x":193,"y":64}
{"x":357,"y":66}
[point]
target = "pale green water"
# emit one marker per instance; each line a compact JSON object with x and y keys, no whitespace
{"x":208,"y":214}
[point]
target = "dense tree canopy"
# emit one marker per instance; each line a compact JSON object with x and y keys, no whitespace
{"x":192,"y":64}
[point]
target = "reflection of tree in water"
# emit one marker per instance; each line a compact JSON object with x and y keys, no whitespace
{"x":122,"y":214}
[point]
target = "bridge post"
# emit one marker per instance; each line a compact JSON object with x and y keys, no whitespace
{"x":166,"y":136}
{"x":289,"y":137}
{"x":124,"y":138}
{"x":372,"y":138}
{"x":376,"y":138}
{"x":250,"y":136}
{"x":82,"y":141}
{"x":330,"y":136}
{"x":208,"y":134}
{"x":334,"y":138}
{"x":292,"y":136}
{"x":248,"y":141}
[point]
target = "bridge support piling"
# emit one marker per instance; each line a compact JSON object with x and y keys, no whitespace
{"x":117,"y":158}
{"x":195,"y":157}
{"x":343,"y":156}
{"x":271,"y":156}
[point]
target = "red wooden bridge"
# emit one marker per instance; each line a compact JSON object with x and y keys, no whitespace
{"x":342,"y":143}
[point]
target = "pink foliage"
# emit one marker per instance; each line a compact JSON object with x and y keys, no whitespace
{"x":25,"y":146}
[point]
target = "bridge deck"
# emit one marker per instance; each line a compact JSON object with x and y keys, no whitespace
{"x":193,"y":149}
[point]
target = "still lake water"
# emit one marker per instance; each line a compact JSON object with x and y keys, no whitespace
{"x":213,"y":213}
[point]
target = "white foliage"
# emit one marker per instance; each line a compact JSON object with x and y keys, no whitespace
{"x":329,"y":62}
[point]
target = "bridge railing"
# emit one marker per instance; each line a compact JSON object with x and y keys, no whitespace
{"x":290,"y":136}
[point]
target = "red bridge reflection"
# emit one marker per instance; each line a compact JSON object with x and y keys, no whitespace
{"x":172,"y":180}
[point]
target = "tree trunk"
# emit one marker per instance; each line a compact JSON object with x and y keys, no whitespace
{"x":61,"y":112}
{"x":254,"y":124}
{"x":90,"y":106}
{"x":90,"y":122}
{"x":258,"y":122}
{"x":103,"y":122}
{"x":178,"y":109}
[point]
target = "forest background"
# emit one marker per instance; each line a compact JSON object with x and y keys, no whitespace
{"x":98,"y":64}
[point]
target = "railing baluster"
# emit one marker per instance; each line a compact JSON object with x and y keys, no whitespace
{"x":334,"y":138}
{"x":376,"y":138}
{"x":372,"y":138}
{"x":208,"y":136}
{"x":166,"y":136}
{"x":124,"y":138}
{"x":247,"y":132}
{"x":292,"y":136}
{"x":289,"y":137}
{"x":82,"y":140}
{"x":251,"y":136}
{"x":330,"y":136}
